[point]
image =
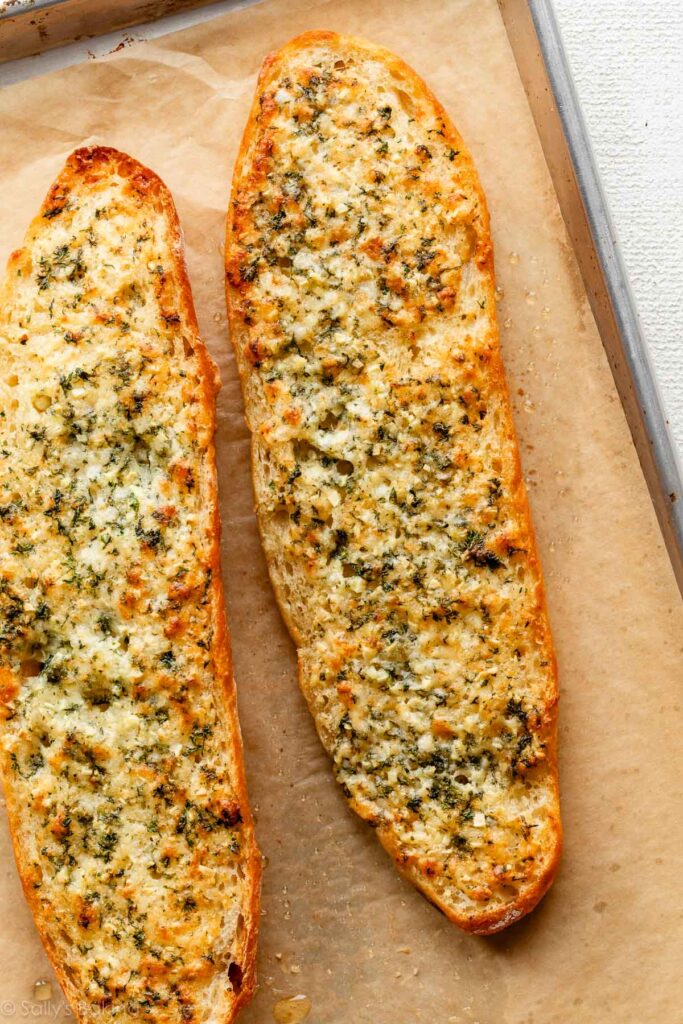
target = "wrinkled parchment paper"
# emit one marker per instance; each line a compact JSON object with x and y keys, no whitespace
{"x":338,"y":923}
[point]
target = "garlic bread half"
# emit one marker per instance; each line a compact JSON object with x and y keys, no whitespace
{"x":120,"y":749}
{"x":393,"y":513}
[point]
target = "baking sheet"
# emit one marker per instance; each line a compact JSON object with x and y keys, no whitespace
{"x":536,"y":42}
{"x":339,"y":925}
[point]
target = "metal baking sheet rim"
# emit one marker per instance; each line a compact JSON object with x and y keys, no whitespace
{"x":29,"y":27}
{"x":537,"y":46}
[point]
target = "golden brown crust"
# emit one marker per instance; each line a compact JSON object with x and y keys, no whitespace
{"x":85,"y":164}
{"x":489,"y":921}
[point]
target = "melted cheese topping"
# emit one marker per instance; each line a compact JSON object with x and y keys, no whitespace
{"x":116,"y":741}
{"x":387,"y":475}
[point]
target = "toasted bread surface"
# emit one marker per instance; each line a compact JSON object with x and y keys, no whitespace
{"x":120,"y":747}
{"x":393,"y":513}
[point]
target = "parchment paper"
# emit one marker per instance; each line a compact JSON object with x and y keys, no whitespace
{"x":338,"y":923}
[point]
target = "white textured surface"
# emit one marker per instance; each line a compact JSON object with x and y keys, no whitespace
{"x":627,"y":61}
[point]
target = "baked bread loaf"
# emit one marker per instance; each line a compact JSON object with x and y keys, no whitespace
{"x":119,"y":741}
{"x":394,"y":517}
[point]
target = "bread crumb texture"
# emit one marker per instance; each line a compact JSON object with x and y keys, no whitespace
{"x":393,"y":513}
{"x":119,"y":745}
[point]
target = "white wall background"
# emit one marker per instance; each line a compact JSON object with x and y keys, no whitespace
{"x":627,"y":61}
